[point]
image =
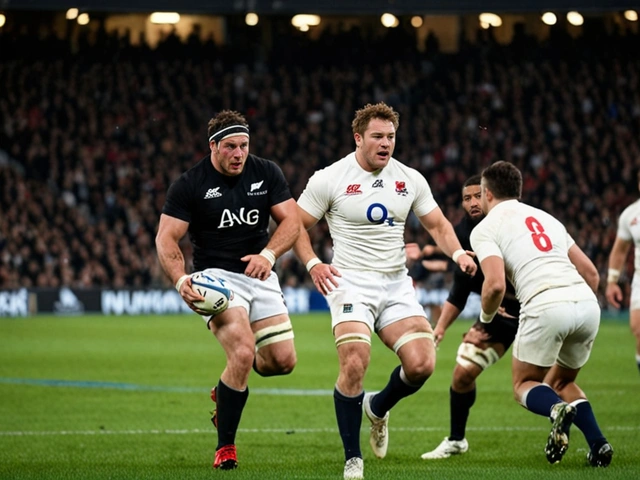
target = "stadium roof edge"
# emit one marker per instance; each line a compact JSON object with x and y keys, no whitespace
{"x":331,"y":7}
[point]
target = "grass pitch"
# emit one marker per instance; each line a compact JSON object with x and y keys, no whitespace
{"x":128,"y":398}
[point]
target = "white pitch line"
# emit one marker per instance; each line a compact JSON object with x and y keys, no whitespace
{"x":197,"y":431}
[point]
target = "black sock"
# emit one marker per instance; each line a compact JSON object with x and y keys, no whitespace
{"x":459,"y":405}
{"x":585,"y":420}
{"x":392,"y":393}
{"x":349,"y":416}
{"x":229,"y":403}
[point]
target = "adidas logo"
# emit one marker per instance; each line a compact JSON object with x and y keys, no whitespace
{"x":212,"y":193}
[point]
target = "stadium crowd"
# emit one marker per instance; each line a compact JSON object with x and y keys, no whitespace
{"x":93,"y":132}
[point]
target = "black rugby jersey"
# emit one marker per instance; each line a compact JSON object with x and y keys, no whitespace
{"x":228,"y":216}
{"x":463,"y":284}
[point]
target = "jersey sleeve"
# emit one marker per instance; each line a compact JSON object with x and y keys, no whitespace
{"x":424,"y":202}
{"x":624,"y":232}
{"x":315,"y":199}
{"x":483,"y":243}
{"x":279,"y":189}
{"x":570,"y":241}
{"x":178,"y":201}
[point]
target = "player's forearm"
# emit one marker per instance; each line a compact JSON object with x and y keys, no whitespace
{"x":303,"y":248}
{"x":284,"y":236}
{"x":616,"y":260}
{"x":448,"y":315}
{"x":492,"y":295}
{"x":445,"y":238}
{"x":171,"y":260}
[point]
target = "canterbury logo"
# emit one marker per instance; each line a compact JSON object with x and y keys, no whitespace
{"x":353,"y":189}
{"x":256,"y":186}
{"x":212,"y":193}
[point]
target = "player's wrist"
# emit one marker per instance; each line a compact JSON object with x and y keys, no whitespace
{"x":613,"y":275}
{"x":181,"y":281}
{"x":486,"y":317}
{"x":312,"y":263}
{"x":269,"y":255}
{"x":457,"y":254}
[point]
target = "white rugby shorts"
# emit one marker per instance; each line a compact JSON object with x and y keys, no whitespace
{"x":559,"y":332}
{"x":374,"y":298}
{"x":261,"y":299}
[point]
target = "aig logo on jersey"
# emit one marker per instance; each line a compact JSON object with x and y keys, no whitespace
{"x":256,"y":186}
{"x":230,"y":219}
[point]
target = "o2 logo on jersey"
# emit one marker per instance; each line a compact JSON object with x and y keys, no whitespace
{"x":230,"y":219}
{"x":378,"y":214}
{"x":540,"y":239}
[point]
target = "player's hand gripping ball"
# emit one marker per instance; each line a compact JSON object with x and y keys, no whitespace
{"x":216,"y":294}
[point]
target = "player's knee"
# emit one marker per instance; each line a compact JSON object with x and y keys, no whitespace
{"x":242,"y":356}
{"x":284,"y":362}
{"x":275,"y":354}
{"x":470,"y":356}
{"x":280,"y":362}
{"x":418,"y":372}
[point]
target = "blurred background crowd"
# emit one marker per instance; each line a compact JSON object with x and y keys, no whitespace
{"x":92,"y":133}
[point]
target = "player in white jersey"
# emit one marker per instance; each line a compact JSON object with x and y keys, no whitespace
{"x":555,"y":283}
{"x":366,"y":199}
{"x":628,"y":234}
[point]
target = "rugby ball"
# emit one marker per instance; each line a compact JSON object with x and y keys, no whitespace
{"x":216,"y":294}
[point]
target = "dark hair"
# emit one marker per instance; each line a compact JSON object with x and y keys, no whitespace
{"x":504,"y":180}
{"x":224,"y":119}
{"x":369,"y":112}
{"x":472,"y":180}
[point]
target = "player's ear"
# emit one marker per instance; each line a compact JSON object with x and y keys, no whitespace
{"x":358,"y":138}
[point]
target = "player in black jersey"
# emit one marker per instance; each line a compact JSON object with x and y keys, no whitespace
{"x":225,"y":202}
{"x":484,"y":343}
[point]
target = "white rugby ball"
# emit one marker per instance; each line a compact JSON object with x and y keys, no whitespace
{"x":216,"y":294}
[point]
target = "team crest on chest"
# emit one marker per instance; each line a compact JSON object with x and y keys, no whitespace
{"x":257,"y":186}
{"x":401,"y":188}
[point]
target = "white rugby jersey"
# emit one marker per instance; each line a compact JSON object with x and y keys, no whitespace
{"x":534,"y":246}
{"x":366,"y":211}
{"x":629,"y":228}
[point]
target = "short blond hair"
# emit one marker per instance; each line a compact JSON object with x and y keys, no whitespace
{"x":369,"y":112}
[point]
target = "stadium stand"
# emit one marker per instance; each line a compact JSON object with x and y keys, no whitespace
{"x":93,"y":131}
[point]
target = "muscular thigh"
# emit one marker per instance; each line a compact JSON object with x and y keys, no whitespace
{"x":273,"y":335}
{"x":412,"y":335}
